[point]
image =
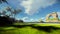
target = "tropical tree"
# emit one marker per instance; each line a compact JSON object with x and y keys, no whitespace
{"x":6,"y":13}
{"x":1,"y":1}
{"x":12,"y":13}
{"x":16,"y":11}
{"x":9,"y":12}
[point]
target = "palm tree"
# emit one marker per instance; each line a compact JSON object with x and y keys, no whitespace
{"x":8,"y":8}
{"x":3,"y":12}
{"x":16,"y":11}
{"x":13,"y":12}
{"x":1,"y":1}
{"x":0,"y":13}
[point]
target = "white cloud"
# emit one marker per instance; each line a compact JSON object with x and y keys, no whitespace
{"x":58,"y":14}
{"x":32,"y":6}
{"x":43,"y":19}
{"x":27,"y":19}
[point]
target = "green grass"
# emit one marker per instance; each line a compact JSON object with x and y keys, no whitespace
{"x":48,"y":24}
{"x":29,"y":30}
{"x":52,"y":19}
{"x":25,"y":30}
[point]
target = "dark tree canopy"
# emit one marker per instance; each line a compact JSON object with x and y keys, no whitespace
{"x":9,"y":12}
{"x":1,"y":1}
{"x":9,"y":9}
{"x":7,"y":15}
{"x":5,"y":21}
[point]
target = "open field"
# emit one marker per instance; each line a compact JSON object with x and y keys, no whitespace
{"x":44,"y":28}
{"x":40,"y":24}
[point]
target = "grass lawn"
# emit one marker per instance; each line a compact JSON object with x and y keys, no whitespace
{"x":48,"y":24}
{"x":30,"y":30}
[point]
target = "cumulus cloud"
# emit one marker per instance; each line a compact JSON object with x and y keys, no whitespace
{"x":58,"y":14}
{"x":27,"y":19}
{"x":32,"y":6}
{"x":44,"y":19}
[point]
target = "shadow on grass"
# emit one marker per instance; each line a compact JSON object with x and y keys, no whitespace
{"x":20,"y":26}
{"x":41,"y":28}
{"x":45,"y":28}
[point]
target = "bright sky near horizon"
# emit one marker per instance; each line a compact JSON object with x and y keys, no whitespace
{"x":33,"y":10}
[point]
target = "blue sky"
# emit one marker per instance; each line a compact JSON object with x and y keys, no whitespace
{"x":33,"y":10}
